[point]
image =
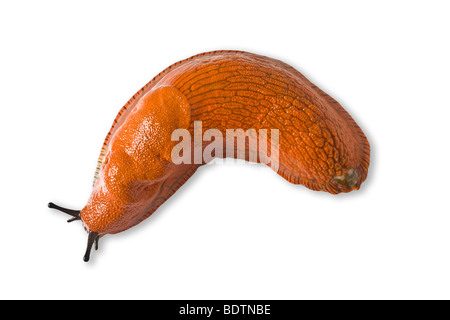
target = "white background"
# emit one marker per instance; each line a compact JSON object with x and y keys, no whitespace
{"x":232,"y":231}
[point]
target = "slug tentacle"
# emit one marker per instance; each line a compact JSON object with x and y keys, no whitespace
{"x":74,"y":213}
{"x":92,"y":238}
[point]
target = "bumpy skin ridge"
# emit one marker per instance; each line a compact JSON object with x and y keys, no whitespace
{"x":321,"y":146}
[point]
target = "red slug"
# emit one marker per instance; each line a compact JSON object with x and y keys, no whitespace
{"x":319,"y":145}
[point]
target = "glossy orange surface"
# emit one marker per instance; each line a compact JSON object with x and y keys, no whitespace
{"x":320,"y":145}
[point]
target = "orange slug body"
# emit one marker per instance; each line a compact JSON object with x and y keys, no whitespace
{"x":320,"y":146}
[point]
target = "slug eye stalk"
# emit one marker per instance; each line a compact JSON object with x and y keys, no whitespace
{"x":93,"y":237}
{"x":74,"y":213}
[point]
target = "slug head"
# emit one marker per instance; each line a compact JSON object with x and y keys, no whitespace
{"x":93,"y":237}
{"x":136,"y":165}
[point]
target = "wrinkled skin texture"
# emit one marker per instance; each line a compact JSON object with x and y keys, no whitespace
{"x":320,"y":145}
